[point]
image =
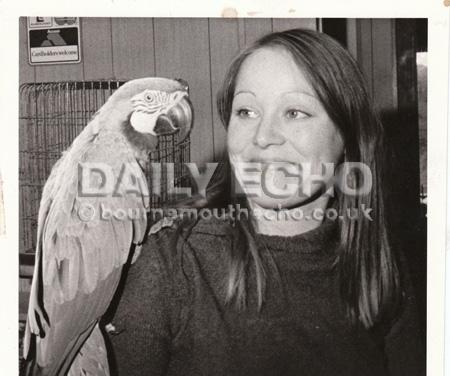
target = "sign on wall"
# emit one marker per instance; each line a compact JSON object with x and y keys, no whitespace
{"x":53,"y":40}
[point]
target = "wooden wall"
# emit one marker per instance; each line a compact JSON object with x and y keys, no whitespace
{"x":372,"y":43}
{"x":197,"y":50}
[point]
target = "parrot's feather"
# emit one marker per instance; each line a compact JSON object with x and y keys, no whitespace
{"x":70,"y":353}
{"x":92,"y":360}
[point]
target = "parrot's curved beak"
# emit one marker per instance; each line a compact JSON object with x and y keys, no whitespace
{"x":178,"y":119}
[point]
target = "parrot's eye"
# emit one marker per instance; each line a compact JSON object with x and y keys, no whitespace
{"x":148,"y":97}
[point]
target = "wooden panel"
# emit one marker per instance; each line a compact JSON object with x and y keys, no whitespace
{"x":224,"y":39}
{"x":375,"y":51}
{"x":59,"y":72}
{"x":26,"y":71}
{"x":253,"y":29}
{"x":364,"y":29}
{"x":280,"y":24}
{"x":133,"y":47}
{"x":182,"y":51}
{"x":97,"y":48}
{"x":383,"y":63}
{"x":352,"y":37}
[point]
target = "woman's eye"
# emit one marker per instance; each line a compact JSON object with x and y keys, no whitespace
{"x":296,"y":114}
{"x":245,"y":113}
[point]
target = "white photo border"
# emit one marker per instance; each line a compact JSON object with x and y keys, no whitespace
{"x":438,"y":114}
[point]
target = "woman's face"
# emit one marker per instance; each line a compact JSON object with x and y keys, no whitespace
{"x":277,"y":121}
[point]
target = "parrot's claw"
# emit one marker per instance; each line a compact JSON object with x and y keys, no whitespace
{"x":39,"y":326}
{"x":111,"y":329}
{"x":39,"y":322}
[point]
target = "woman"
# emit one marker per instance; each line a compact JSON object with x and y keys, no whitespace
{"x":289,"y":294}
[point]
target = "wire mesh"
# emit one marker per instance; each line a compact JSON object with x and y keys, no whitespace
{"x":51,"y":115}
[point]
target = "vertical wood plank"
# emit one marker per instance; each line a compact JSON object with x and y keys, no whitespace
{"x":255,"y":28}
{"x":319,"y":24}
{"x":364,"y":48}
{"x":59,"y":72}
{"x":280,"y":24}
{"x":224,"y":37}
{"x":241,"y":33}
{"x":352,"y":37}
{"x":375,"y":51}
{"x":97,"y":48}
{"x":133,"y":47}
{"x":26,"y":71}
{"x":182,"y":51}
{"x":384,"y":63}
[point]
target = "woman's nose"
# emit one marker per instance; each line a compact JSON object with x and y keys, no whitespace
{"x":267,"y":134}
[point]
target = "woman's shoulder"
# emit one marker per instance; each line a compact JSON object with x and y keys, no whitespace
{"x":175,"y":248}
{"x":175,"y":258}
{"x":172,"y":237}
{"x":174,"y":228}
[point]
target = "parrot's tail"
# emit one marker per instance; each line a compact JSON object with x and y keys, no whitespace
{"x":92,"y":360}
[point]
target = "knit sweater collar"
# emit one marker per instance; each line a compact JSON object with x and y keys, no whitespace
{"x":321,"y":239}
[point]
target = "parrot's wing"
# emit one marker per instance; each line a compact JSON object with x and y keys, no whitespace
{"x":51,"y":186}
{"x":82,"y":245}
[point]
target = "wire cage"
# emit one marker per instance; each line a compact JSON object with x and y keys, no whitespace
{"x":51,"y":116}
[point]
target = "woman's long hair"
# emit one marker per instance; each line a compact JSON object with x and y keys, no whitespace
{"x":368,"y":274}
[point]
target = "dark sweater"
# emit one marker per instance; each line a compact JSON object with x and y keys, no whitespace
{"x":172,"y":319}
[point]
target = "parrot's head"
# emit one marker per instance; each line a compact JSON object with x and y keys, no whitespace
{"x":146,"y":108}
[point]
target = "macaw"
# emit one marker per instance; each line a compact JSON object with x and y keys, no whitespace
{"x":79,"y":253}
